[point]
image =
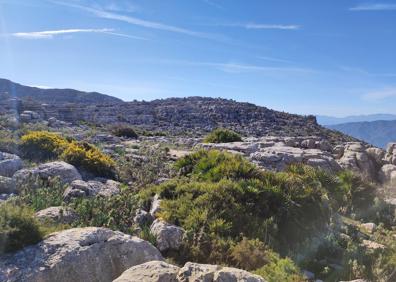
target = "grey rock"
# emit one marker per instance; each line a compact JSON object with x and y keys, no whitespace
{"x":80,"y":188}
{"x":155,"y":205}
{"x":9,"y":164}
{"x":387,"y":175}
{"x":79,"y":254}
{"x":168,"y":236}
{"x":142,"y":217}
{"x":63,"y":215}
{"x":158,"y":271}
{"x":7,"y":185}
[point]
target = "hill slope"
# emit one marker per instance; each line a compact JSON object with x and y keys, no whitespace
{"x":53,"y":95}
{"x":378,"y":133}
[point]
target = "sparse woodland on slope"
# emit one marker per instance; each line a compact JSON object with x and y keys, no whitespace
{"x":265,"y":196}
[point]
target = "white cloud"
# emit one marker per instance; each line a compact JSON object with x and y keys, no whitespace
{"x":261,"y":26}
{"x":380,"y":94}
{"x":271,"y":59}
{"x":136,"y":21}
{"x":374,"y":7}
{"x":52,"y":33}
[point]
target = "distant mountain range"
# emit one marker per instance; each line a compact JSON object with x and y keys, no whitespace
{"x":54,"y":95}
{"x":328,"y":120}
{"x":378,"y":133}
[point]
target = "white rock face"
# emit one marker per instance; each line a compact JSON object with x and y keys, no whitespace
{"x":64,"y":171}
{"x":155,"y":205}
{"x":80,"y":188}
{"x":391,"y":153}
{"x":80,"y":254}
{"x":158,"y":271}
{"x":9,"y":164}
{"x":387,"y":175}
{"x":62,"y":215}
{"x":168,"y":236}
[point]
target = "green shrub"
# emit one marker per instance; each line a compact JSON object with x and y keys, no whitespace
{"x":42,"y":146}
{"x":280,"y":269}
{"x":18,"y":228}
{"x":124,"y":131}
{"x":222,"y":135}
{"x":249,"y":254}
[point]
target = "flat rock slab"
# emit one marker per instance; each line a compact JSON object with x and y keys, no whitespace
{"x":79,"y":254}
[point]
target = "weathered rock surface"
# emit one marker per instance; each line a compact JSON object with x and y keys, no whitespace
{"x":80,"y":254}
{"x":7,"y":185}
{"x":387,"y":174}
{"x":66,"y":173}
{"x":63,"y":215}
{"x":143,"y":218}
{"x":168,"y":236}
{"x":9,"y":164}
{"x":158,"y":271}
{"x":80,"y":188}
{"x":355,"y":158}
{"x":391,"y":153}
{"x":155,"y":205}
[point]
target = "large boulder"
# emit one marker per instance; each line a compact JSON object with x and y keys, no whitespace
{"x":80,"y":188}
{"x":158,"y":271}
{"x":168,"y":236}
{"x":66,"y":173}
{"x":63,"y":215}
{"x":9,"y":164}
{"x":355,"y":158}
{"x":80,"y":254}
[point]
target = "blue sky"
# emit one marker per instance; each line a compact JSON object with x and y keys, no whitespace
{"x":333,"y":57}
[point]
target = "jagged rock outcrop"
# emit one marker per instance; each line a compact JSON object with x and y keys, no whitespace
{"x":63,"y":215}
{"x":159,"y":271}
{"x":9,"y":164}
{"x":80,"y":254}
{"x":168,"y":236}
{"x":387,"y":175}
{"x":80,"y":188}
{"x":66,"y":173}
{"x":391,"y":153}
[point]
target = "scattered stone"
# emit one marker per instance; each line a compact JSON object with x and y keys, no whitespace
{"x":79,"y":254}
{"x":63,"y":215}
{"x":168,"y":236}
{"x":372,"y":245}
{"x":80,"y":189}
{"x":143,"y":218}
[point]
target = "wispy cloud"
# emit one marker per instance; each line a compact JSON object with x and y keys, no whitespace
{"x":380,"y":94}
{"x":364,"y":72}
{"x":262,"y":26}
{"x":271,"y":59}
{"x":213,"y":4}
{"x":135,"y":21}
{"x":231,"y":67}
{"x":374,"y":7}
{"x":48,"y":34}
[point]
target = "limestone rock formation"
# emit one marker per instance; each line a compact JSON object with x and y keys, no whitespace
{"x":168,"y":236}
{"x":9,"y":164}
{"x":158,"y":271}
{"x":80,"y":254}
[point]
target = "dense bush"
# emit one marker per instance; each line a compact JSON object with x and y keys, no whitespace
{"x":42,"y":146}
{"x":124,"y":131}
{"x":18,"y":228}
{"x":221,"y":198}
{"x":222,"y":135}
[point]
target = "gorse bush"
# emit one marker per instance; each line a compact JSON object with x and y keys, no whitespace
{"x":43,"y":146}
{"x":222,"y":135}
{"x":18,"y":228}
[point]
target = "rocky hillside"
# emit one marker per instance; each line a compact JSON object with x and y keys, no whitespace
{"x":378,"y":133}
{"x":178,"y":116}
{"x":52,"y":95}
